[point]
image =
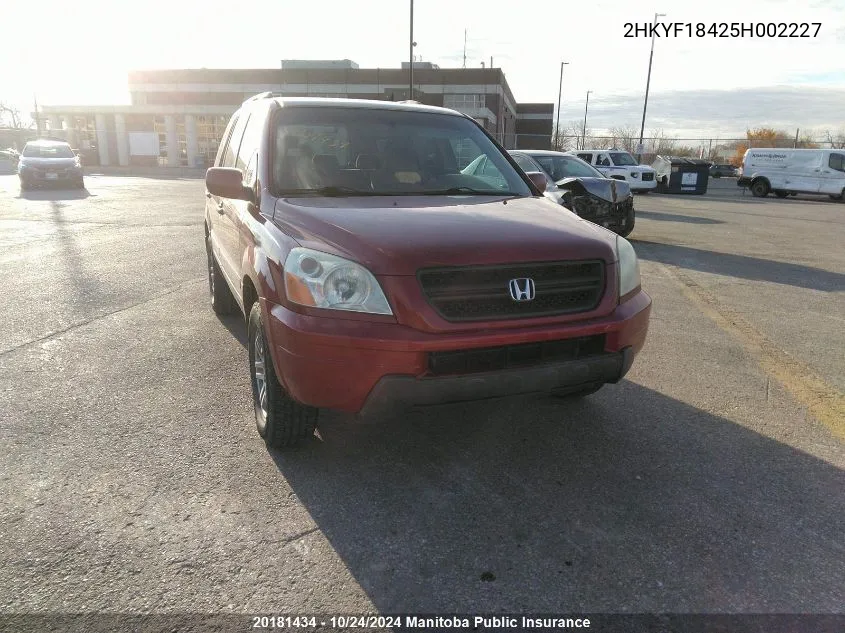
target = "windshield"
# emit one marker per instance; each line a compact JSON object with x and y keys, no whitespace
{"x":357,"y":151}
{"x":560,"y":167}
{"x":48,"y":151}
{"x":622,"y":159}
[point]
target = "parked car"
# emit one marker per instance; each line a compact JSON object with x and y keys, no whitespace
{"x":621,"y":166}
{"x":790,"y":171}
{"x":45,"y":162}
{"x":582,"y":189}
{"x":481,"y":164}
{"x":374,"y":275}
{"x":717,"y":171}
{"x":9,"y":161}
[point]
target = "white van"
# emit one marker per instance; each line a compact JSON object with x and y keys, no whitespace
{"x":620,"y":165}
{"x":789,"y":171}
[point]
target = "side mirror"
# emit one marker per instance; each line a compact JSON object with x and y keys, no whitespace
{"x":227,"y":182}
{"x":538,"y":179}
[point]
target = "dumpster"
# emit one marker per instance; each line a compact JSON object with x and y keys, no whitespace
{"x":676,"y":174}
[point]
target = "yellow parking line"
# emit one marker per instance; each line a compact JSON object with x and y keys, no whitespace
{"x":823,"y":401}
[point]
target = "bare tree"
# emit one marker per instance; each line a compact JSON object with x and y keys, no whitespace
{"x":12,"y":115}
{"x":624,"y":137}
{"x":836,"y":139}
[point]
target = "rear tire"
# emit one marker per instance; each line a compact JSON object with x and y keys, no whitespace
{"x":760,"y":188}
{"x":222,"y":301}
{"x":839,"y":197}
{"x":279,"y":419}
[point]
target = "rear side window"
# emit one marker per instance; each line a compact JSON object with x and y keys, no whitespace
{"x":249,"y":147}
{"x":234,"y":144}
{"x":837,"y":162}
{"x":524,"y":163}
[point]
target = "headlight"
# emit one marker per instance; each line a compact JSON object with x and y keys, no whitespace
{"x":629,"y":267}
{"x":320,"y":280}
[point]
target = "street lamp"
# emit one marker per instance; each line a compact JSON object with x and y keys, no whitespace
{"x":647,"y":83}
{"x":559,"y":92}
{"x":584,"y":130}
{"x":411,"y":54}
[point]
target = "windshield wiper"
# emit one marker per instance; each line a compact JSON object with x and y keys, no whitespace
{"x":332,"y":191}
{"x":453,"y":191}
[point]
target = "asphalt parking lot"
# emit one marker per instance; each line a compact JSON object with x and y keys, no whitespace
{"x":132,"y":478}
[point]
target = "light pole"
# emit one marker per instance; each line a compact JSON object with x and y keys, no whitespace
{"x":584,"y":130}
{"x":559,"y":93}
{"x":411,"y":54}
{"x":647,"y":83}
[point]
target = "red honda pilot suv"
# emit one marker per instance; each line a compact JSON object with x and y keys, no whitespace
{"x":375,"y":274}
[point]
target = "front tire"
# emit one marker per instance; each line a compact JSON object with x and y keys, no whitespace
{"x":759,"y":188}
{"x":222,"y":301}
{"x":628,"y":227}
{"x":279,"y":419}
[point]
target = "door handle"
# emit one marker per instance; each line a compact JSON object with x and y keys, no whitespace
{"x":220,"y":208}
{"x":207,"y":195}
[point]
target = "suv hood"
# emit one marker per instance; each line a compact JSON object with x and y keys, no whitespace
{"x":398,"y":235}
{"x":605,"y":188}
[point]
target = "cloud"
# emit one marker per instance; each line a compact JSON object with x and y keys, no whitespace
{"x":725,"y":113}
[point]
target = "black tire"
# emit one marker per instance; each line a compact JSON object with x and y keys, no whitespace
{"x":80,"y":183}
{"x":222,"y":301}
{"x":24,"y":186}
{"x":838,"y":198}
{"x":760,"y":188}
{"x":279,"y":419}
{"x":781,"y":194}
{"x":626,"y":230}
{"x":581,"y":393}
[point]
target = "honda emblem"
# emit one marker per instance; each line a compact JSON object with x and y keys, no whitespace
{"x":521,"y":289}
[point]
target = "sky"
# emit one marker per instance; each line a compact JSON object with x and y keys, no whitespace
{"x":81,"y":50}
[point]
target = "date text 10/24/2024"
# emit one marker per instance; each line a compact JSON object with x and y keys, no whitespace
{"x":352,"y":622}
{"x":723,"y":29}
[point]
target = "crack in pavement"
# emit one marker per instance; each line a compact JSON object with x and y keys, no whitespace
{"x":99,"y":317}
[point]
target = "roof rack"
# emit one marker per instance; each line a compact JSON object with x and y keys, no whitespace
{"x":263,"y":95}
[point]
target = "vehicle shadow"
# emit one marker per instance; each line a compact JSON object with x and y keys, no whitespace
{"x":626,"y":501}
{"x":236,"y":325}
{"x":674,"y":217}
{"x":55,"y":194}
{"x":742,"y":266}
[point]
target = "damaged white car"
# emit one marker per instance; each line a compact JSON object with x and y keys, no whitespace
{"x":582,"y":189}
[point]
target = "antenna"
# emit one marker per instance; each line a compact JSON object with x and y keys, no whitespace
{"x":465,"y":48}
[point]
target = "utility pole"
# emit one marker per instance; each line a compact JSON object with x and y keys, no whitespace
{"x":411,"y":54}
{"x":584,"y":130}
{"x":559,"y":93}
{"x":647,"y":83}
{"x":37,"y":118}
{"x":795,"y":144}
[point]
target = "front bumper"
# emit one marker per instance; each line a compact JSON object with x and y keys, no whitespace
{"x":370,"y":367}
{"x":637,"y":184}
{"x":614,"y":216}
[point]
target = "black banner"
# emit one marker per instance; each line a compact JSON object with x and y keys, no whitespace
{"x":347,"y":623}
